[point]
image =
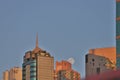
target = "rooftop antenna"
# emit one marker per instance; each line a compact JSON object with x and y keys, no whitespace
{"x":37,"y":41}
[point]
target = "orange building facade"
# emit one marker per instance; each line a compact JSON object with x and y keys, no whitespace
{"x":109,"y":52}
{"x":63,"y":65}
{"x":64,"y":71}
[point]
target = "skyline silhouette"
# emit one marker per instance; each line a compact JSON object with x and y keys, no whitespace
{"x":66,"y":29}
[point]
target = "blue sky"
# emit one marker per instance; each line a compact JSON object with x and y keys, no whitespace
{"x":66,"y":28}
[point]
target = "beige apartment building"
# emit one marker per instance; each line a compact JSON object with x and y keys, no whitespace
{"x":14,"y":73}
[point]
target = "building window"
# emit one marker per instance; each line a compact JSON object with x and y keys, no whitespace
{"x":32,"y":66}
{"x":93,"y":60}
{"x":33,"y":76}
{"x":93,"y":64}
{"x":28,"y":59}
{"x":98,"y":70}
{"x":32,"y":71}
{"x":86,"y":57}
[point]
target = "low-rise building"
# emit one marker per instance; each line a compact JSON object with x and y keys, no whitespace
{"x":14,"y":73}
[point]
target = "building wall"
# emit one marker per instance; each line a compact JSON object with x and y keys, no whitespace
{"x":68,"y":75}
{"x":61,"y":75}
{"x":64,"y":71}
{"x":33,"y":70}
{"x":6,"y":75}
{"x":26,"y":66}
{"x":118,"y":32}
{"x":15,"y":73}
{"x":29,"y":70}
{"x":63,"y":65}
{"x":96,"y":64}
{"x":72,"y":75}
{"x":45,"y":68}
{"x":109,"y":52}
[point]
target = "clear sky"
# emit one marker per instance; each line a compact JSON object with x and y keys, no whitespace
{"x":66,"y":28}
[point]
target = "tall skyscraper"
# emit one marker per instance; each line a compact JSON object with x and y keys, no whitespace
{"x":14,"y":73}
{"x":118,"y":32}
{"x":38,"y":64}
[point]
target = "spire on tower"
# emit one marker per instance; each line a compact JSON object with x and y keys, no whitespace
{"x":37,"y":49}
{"x":37,"y":41}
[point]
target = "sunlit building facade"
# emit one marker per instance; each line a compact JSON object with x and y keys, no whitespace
{"x":38,"y":64}
{"x":6,"y":75}
{"x":118,"y":32}
{"x":14,"y":73}
{"x":68,"y":75}
{"x":64,"y":71}
{"x":63,"y":65}
{"x":108,"y":52}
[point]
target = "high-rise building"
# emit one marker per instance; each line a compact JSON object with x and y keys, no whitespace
{"x":118,"y":32}
{"x":14,"y":73}
{"x":64,"y":71}
{"x":38,"y":64}
{"x":97,"y":64}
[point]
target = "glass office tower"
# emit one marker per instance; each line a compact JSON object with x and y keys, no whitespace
{"x":118,"y":32}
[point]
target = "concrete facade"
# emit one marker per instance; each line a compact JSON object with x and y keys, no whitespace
{"x":97,"y":64}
